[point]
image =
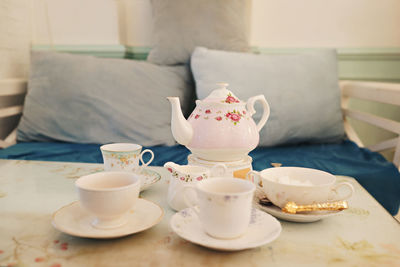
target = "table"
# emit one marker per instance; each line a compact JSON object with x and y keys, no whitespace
{"x":30,"y":191}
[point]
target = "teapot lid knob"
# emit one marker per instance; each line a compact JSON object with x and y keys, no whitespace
{"x":222,"y":85}
{"x":221,"y":94}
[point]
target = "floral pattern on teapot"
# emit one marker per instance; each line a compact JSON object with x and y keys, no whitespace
{"x":233,"y":116}
{"x":230,"y":99}
{"x":187,"y":177}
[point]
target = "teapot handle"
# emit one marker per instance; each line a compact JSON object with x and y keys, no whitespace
{"x":252,"y":111}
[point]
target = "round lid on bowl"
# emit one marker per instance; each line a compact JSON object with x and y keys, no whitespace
{"x":222,"y":95}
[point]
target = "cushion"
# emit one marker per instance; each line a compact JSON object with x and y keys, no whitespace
{"x":84,"y":99}
{"x":180,"y":25}
{"x":301,"y":89}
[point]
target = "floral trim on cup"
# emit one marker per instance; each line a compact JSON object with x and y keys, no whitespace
{"x":123,"y":159}
{"x":187,"y":177}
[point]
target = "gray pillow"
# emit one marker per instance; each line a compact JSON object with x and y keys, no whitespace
{"x":85,"y":99}
{"x":302,"y":91}
{"x":181,"y":25}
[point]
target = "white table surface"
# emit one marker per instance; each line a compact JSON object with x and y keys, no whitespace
{"x":31,"y":191}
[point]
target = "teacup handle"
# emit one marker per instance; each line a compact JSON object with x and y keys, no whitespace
{"x":149,"y":161}
{"x":334,"y":196}
{"x":222,"y":167}
{"x":187,"y":201}
{"x":254,"y":177}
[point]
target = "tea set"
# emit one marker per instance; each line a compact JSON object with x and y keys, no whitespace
{"x":216,"y":195}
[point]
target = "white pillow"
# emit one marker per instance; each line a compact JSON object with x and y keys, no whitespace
{"x":302,"y":91}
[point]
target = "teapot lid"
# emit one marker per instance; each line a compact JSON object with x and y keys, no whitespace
{"x":222,"y":95}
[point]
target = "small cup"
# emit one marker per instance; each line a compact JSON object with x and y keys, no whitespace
{"x":108,"y":196}
{"x":223,"y":205}
{"x":302,"y":185}
{"x":182,"y":175}
{"x":124,"y":157}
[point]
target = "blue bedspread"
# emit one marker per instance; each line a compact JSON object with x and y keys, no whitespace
{"x":380,"y":177}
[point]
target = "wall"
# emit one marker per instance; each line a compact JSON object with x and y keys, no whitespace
{"x":283,"y":23}
{"x":326,"y":23}
{"x":72,"y":22}
{"x":15,"y":38}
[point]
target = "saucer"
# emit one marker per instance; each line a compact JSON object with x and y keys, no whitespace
{"x":263,"y":229}
{"x":147,"y":178}
{"x":73,"y":220}
{"x":300,"y":217}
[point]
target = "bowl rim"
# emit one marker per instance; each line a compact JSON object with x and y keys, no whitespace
{"x":271,"y":170}
{"x":80,"y":186}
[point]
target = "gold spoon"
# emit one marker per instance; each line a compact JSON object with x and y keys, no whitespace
{"x":293,"y":208}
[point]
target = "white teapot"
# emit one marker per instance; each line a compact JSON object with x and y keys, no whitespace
{"x":221,"y":127}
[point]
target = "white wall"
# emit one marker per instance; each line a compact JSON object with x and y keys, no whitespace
{"x":326,"y":23}
{"x":14,"y":38}
{"x":275,"y":23}
{"x":71,"y":22}
{"x":138,"y":26}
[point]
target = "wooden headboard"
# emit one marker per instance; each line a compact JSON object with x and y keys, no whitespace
{"x":12,"y":92}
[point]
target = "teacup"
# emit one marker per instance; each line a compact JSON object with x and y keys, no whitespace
{"x":108,"y":196}
{"x":182,"y":175}
{"x":223,"y":205}
{"x":301,"y":185}
{"x":124,"y":157}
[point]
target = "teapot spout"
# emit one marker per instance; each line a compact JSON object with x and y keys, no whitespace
{"x":181,"y":129}
{"x":171,"y":167}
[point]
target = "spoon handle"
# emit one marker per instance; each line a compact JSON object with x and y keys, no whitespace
{"x":293,"y":208}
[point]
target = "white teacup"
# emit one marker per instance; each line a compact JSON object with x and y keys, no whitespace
{"x":223,"y":205}
{"x":108,"y":196}
{"x":182,"y":175}
{"x":302,"y":185}
{"x":124,"y":157}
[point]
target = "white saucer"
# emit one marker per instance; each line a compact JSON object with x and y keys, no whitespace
{"x":73,"y":220}
{"x":263,"y":229}
{"x":147,"y":178}
{"x":303,"y":217}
